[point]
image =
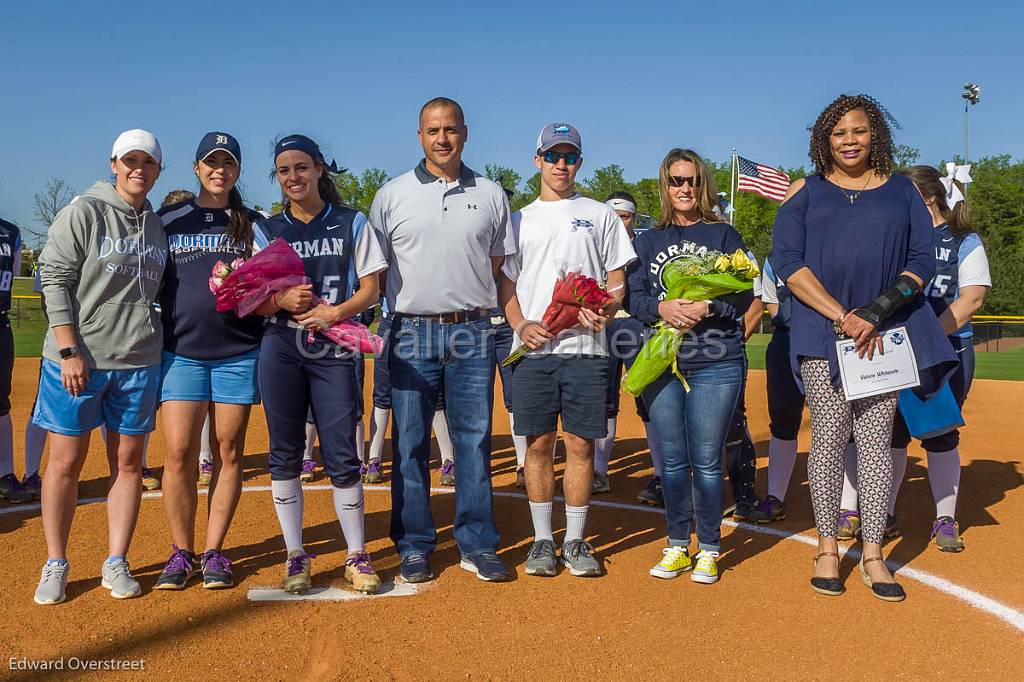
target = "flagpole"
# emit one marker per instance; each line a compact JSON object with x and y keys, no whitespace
{"x":732,"y":189}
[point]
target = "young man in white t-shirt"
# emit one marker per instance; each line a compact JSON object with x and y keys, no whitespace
{"x":565,"y":375}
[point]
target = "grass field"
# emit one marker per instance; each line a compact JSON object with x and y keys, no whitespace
{"x":30,"y":327}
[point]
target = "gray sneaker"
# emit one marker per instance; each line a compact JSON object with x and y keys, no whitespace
{"x":541,"y":559}
{"x":117,"y":578}
{"x":578,"y":557}
{"x":52,"y":584}
{"x":601,"y":484}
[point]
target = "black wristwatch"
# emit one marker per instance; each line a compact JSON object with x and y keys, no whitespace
{"x":69,"y":352}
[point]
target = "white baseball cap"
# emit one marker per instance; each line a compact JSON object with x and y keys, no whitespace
{"x":137,"y":139}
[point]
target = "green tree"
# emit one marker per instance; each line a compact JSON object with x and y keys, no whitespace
{"x":904,"y":155}
{"x":603,"y":182}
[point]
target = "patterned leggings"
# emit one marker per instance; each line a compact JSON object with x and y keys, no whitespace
{"x":832,"y":420}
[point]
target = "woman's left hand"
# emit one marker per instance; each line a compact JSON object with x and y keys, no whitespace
{"x":319,"y":317}
{"x":695,"y":311}
{"x":866,"y":338}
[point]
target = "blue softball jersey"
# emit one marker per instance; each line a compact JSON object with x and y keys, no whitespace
{"x":959,"y":262}
{"x":196,"y":239}
{"x":715,"y":338}
{"x":10,"y":246}
{"x":337,"y":247}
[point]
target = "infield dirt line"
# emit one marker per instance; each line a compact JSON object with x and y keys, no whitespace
{"x":1009,"y":615}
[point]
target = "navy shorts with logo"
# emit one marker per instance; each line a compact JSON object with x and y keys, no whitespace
{"x":545,"y":387}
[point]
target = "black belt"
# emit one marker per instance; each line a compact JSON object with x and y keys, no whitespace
{"x":448,"y":318}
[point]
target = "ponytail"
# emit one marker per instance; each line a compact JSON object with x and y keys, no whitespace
{"x":239,"y":225}
{"x":928,"y":181}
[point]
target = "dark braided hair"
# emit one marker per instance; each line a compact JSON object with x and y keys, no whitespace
{"x":880,"y":154}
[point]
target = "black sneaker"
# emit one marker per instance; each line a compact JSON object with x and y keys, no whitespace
{"x":415,"y":568}
{"x":177,"y":571}
{"x":486,"y":565}
{"x":12,"y":490}
{"x":767,"y":510}
{"x":216,"y":571}
{"x":744,"y":508}
{"x":651,"y":494}
{"x":892,"y":527}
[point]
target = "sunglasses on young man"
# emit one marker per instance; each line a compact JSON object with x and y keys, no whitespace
{"x":680,"y":180}
{"x":553,"y":157}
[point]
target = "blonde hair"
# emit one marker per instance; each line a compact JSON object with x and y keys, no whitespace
{"x":705,"y":190}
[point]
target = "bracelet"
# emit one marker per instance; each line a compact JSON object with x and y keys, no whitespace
{"x":837,"y":325}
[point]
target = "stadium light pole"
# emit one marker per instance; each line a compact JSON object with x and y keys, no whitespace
{"x":971,"y":95}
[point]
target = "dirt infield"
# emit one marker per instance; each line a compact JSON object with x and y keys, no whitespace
{"x":761,"y":619}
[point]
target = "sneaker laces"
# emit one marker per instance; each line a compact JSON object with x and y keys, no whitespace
{"x":373,"y":466}
{"x":179,"y":562}
{"x":944,"y":526}
{"x":51,"y":571}
{"x":706,"y":561}
{"x":672,"y":554}
{"x":580,"y":547}
{"x":120,"y":569}
{"x":446,"y":468}
{"x":541,"y":549}
{"x":297,"y":563}
{"x":206,"y":467}
{"x":308,"y":465}
{"x":360,"y":561}
{"x":216,"y":562}
{"x":847,"y":515}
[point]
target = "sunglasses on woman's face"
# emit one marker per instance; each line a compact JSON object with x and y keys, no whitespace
{"x":554,"y":157}
{"x":680,"y":180}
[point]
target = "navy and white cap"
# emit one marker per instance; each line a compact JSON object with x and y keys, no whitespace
{"x":554,"y":134}
{"x":215,"y":141}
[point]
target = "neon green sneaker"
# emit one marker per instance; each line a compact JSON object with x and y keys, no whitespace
{"x":707,"y":568}
{"x":676,"y":560}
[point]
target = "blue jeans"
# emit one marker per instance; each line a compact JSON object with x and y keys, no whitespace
{"x":692,"y":428}
{"x":423,"y":359}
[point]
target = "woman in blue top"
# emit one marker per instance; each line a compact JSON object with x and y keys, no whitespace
{"x":342,"y":258}
{"x":853,"y":243}
{"x":691,"y":426}
{"x":209,"y":362}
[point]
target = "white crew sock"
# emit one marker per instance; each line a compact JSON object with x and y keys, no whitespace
{"x":35,"y":443}
{"x":310,"y":441}
{"x":518,"y":442}
{"x":781,"y":459}
{"x":205,"y":452}
{"x":444,"y":439}
{"x":575,"y":520}
{"x":540,"y":512}
{"x":899,"y":468}
{"x":288,"y":505}
{"x":348,"y":505}
{"x":849,"y":500}
{"x":603,"y":449}
{"x":944,"y":477}
{"x":378,"y":430}
{"x":360,"y":440}
{"x":6,"y":445}
{"x":657,"y":458}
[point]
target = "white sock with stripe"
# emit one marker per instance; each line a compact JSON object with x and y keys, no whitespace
{"x":518,"y":442}
{"x":540,"y":513}
{"x":310,"y":441}
{"x":360,"y":440}
{"x":288,"y":505}
{"x":35,"y":443}
{"x":348,"y":505}
{"x":575,"y":520}
{"x":205,"y":452}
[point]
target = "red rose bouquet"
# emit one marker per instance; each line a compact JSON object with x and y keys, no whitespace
{"x":572,"y":293}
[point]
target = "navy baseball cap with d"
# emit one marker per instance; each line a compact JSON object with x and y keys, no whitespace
{"x":215,"y":141}
{"x":554,"y":134}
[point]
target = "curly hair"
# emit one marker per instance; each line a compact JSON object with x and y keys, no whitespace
{"x":881,"y":121}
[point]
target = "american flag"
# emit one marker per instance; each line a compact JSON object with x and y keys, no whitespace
{"x":764,"y":180}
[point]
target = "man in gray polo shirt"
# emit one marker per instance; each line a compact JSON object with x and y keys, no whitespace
{"x":445,"y":232}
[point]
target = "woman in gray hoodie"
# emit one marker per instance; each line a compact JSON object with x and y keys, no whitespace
{"x":101,"y":271}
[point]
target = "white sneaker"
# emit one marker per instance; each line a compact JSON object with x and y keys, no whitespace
{"x":117,"y":577}
{"x":52,"y":584}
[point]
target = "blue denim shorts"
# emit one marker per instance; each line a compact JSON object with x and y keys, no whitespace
{"x":230,"y":381}
{"x":123,"y":399}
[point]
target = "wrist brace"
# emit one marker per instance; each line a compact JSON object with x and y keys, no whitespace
{"x":902,"y":291}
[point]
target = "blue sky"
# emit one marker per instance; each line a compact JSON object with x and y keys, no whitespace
{"x":637,"y":78}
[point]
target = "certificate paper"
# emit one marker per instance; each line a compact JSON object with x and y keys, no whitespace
{"x":892,"y":370}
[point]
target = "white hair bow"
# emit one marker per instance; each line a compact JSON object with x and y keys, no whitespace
{"x":954,"y":172}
